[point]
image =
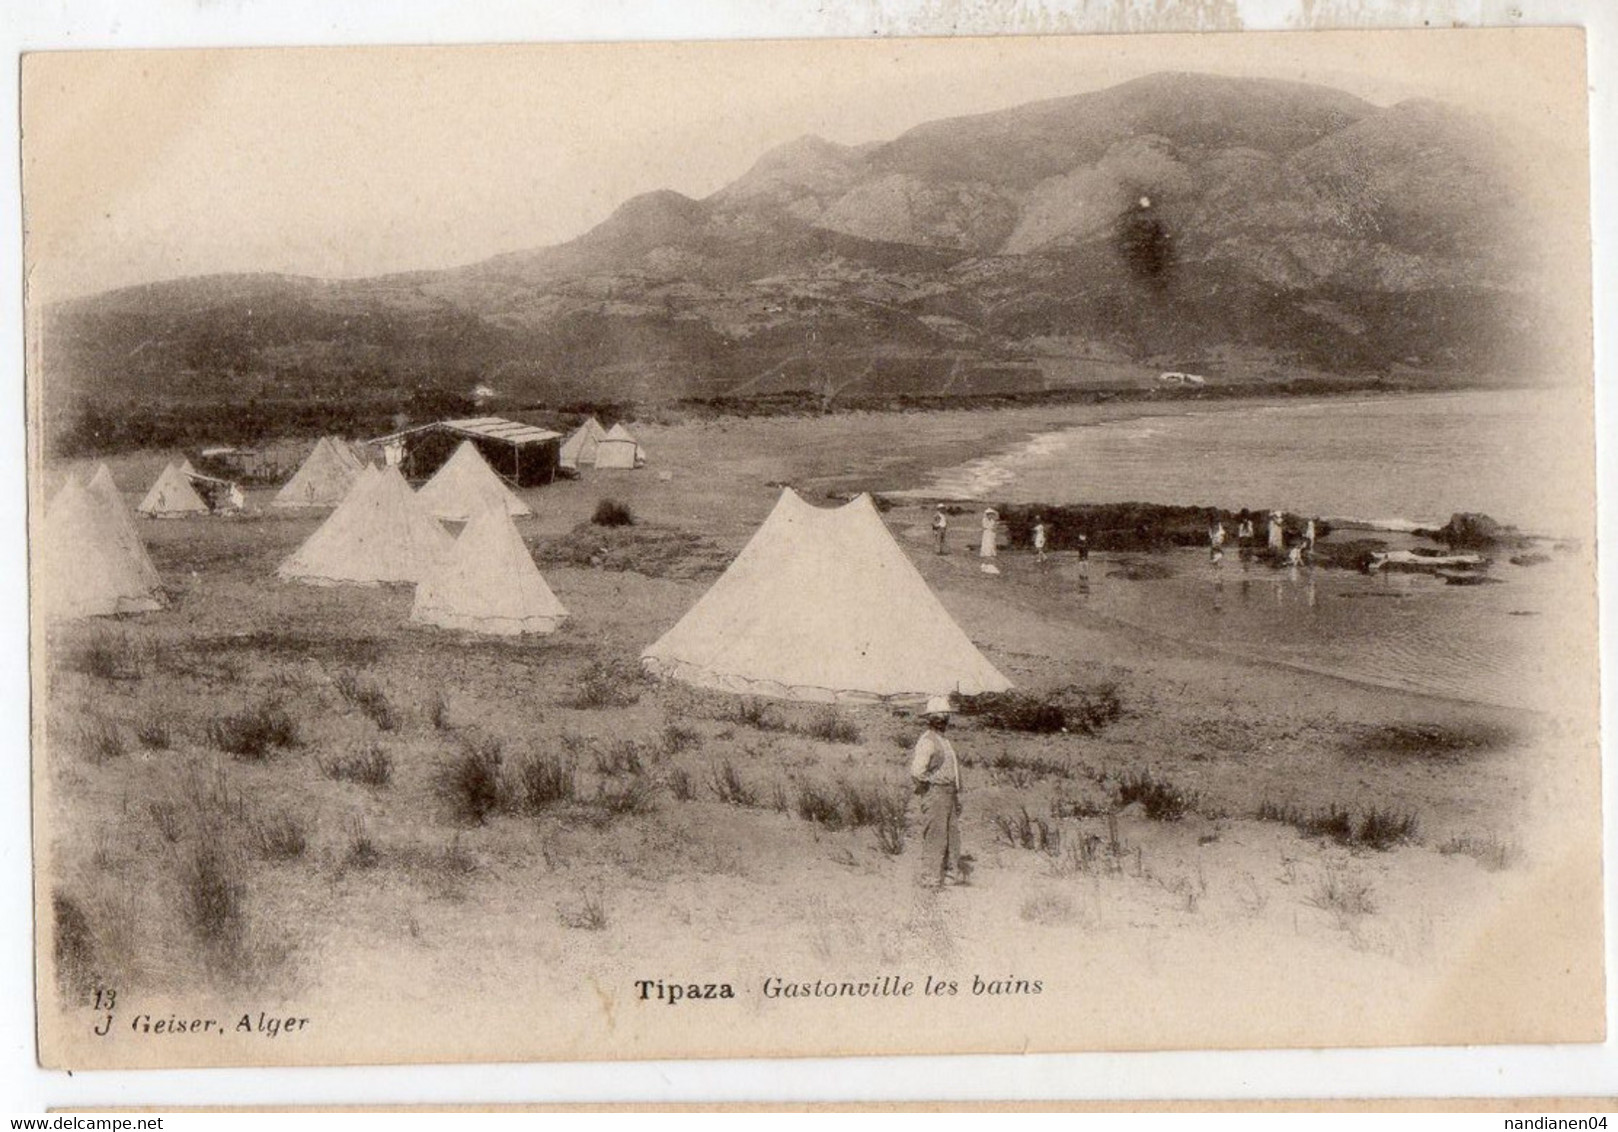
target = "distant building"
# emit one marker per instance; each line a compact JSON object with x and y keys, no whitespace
{"x":523,"y":455}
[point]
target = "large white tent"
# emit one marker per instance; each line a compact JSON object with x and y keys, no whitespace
{"x":105,"y":491}
{"x":488,"y":583}
{"x":324,"y":477}
{"x":579,"y":450}
{"x":619,"y":449}
{"x":83,"y":569}
{"x":466,"y":486}
{"x":822,"y":604}
{"x":172,"y":496}
{"x":379,"y":533}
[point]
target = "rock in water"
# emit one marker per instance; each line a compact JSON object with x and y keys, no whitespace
{"x":1476,"y":531}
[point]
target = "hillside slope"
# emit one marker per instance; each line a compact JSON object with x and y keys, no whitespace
{"x":1250,"y":228}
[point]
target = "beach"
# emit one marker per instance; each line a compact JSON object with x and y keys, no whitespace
{"x":1179,"y":852}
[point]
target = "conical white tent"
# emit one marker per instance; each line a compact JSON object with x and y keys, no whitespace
{"x":323,"y":479}
{"x":106,"y":493}
{"x":379,"y":533}
{"x":619,"y":449}
{"x":465,"y":486}
{"x":822,"y":604}
{"x":172,"y":497}
{"x":488,"y":583}
{"x":82,"y":569}
{"x":579,"y":450}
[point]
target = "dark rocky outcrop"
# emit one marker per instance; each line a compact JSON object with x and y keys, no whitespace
{"x":1467,"y":530}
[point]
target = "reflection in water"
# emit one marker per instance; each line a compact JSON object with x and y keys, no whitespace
{"x":1408,"y":629}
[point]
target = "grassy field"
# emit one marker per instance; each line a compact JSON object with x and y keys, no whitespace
{"x":280,"y":796}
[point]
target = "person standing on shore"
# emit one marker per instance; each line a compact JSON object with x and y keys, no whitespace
{"x":1244,"y":536}
{"x":935,"y":776}
{"x":1039,"y":538}
{"x":1216,"y":539}
{"x":1278,"y":537}
{"x":1084,"y":554}
{"x":940,"y":527}
{"x":1309,"y":537}
{"x":991,"y":527}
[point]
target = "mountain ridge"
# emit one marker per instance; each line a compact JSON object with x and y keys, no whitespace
{"x":1175,"y":217}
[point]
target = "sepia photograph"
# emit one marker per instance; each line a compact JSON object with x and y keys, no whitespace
{"x":812,"y":548}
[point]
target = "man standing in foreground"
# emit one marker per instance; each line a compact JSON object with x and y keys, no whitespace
{"x":936,"y":775}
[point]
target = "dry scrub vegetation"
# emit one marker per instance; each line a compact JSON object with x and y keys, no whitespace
{"x":234,"y":805}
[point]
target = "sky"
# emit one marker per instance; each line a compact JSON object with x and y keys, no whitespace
{"x":146,"y":165}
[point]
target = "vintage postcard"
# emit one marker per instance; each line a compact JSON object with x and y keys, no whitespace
{"x":812,"y":548}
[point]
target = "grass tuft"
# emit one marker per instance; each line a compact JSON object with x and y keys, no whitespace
{"x":1346,"y":895}
{"x":1161,"y":799}
{"x":110,"y":655}
{"x":363,"y":851}
{"x":606,"y":684}
{"x":1022,"y":830}
{"x":365,"y":694}
{"x":370,"y":767}
{"x":820,"y":804}
{"x":438,"y":712}
{"x":681,"y":785}
{"x":831,"y":726}
{"x":469,"y":781}
{"x":253,"y":734}
{"x":1073,"y":708}
{"x":750,"y":711}
{"x":1379,"y":829}
{"x":589,"y":914}
{"x":1493,"y":853}
{"x":100,"y":740}
{"x":154,"y":732}
{"x":280,"y":837}
{"x":612,"y":513}
{"x":544,"y":781}
{"x":847,"y":805}
{"x":212,"y":895}
{"x":1431,"y":740}
{"x":166,"y":817}
{"x":622,"y":756}
{"x":73,"y":945}
{"x":728,"y":785}
{"x":1024,"y":770}
{"x":678,"y":738}
{"x":1383,"y":829}
{"x":636,"y":794}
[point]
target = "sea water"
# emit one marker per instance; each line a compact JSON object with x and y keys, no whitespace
{"x":1513,"y":643}
{"x":1523,"y":457}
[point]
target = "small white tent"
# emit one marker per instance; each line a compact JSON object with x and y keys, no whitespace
{"x":822,"y":604}
{"x":379,"y":533}
{"x":465,"y":486}
{"x":106,"y":493}
{"x":488,"y":583}
{"x":579,"y":450}
{"x":324,"y":477}
{"x":172,"y":496}
{"x":82,"y":568}
{"x":619,"y":449}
